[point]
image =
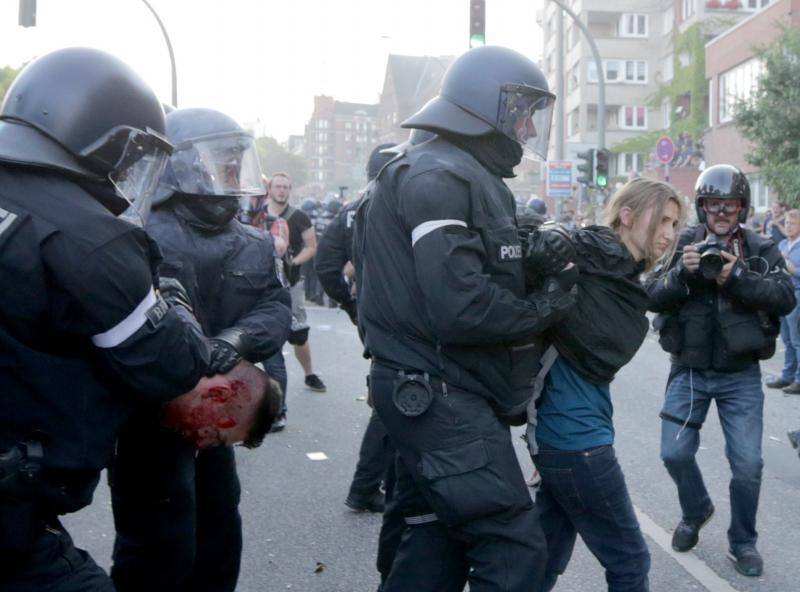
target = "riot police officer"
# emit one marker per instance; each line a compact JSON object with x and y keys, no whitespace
{"x":719,"y":300}
{"x":176,"y":510}
{"x":84,"y":337}
{"x":452,"y":332}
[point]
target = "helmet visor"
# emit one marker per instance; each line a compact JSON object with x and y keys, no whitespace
{"x":220,"y":165}
{"x":526,"y":114}
{"x":137,"y":159}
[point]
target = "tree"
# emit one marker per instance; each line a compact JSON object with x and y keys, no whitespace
{"x":274,"y":158}
{"x":770,"y":118}
{"x":7,"y":76}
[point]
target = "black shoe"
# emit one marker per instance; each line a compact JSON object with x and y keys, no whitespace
{"x":794,"y":438}
{"x":778,"y":383}
{"x":315,"y":384}
{"x":687,"y":532}
{"x":279,"y":424}
{"x":792,"y":389}
{"x":747,"y":561}
{"x":372,"y":503}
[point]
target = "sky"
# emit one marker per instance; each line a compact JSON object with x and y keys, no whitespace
{"x":263,"y":61}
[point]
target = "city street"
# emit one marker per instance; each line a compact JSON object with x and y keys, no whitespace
{"x":300,"y":536}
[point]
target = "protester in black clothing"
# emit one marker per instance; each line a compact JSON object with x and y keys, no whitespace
{"x":176,"y":509}
{"x":85,"y":338}
{"x":442,"y":301}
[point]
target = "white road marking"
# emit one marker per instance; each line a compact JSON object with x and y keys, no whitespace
{"x":688,"y":561}
{"x":317,"y":455}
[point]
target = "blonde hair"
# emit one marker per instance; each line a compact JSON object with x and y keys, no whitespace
{"x":642,"y":195}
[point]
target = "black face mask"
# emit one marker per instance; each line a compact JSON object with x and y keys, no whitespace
{"x":106,"y":194}
{"x":495,"y":151}
{"x":208,"y":213}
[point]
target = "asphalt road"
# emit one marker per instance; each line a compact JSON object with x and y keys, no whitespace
{"x":300,"y":536}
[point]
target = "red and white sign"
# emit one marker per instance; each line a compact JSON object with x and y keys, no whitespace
{"x":665,"y":149}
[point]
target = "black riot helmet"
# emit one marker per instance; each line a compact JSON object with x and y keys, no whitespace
{"x":537,"y":206}
{"x":492,"y":89}
{"x":213,"y":157}
{"x":333,"y":207}
{"x":85,"y":113}
{"x":379,"y":156}
{"x":722,"y":181}
{"x":309,"y":205}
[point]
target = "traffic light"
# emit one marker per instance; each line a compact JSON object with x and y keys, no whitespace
{"x":27,"y":13}
{"x":586,"y":167}
{"x":477,"y":23}
{"x":601,"y":168}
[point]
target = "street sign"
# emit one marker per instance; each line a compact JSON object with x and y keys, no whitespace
{"x":665,"y":149}
{"x":559,"y":178}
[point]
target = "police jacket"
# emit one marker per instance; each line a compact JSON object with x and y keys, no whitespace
{"x":726,"y":329}
{"x":334,"y":250}
{"x":230,"y":275}
{"x":83,"y":336}
{"x":441,"y":285}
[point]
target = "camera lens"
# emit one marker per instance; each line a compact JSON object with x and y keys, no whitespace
{"x":711,"y":263}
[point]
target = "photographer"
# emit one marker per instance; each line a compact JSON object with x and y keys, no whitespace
{"x":720,"y":297}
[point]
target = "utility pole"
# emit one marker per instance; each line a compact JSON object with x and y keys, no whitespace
{"x":171,"y":54}
{"x":560,"y":83}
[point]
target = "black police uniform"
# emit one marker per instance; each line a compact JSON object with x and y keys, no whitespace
{"x":442,"y":302}
{"x":84,"y":340}
{"x":177,"y":518}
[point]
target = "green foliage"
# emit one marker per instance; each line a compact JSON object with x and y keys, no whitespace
{"x":275,"y":158}
{"x":688,"y":80}
{"x":7,"y":75}
{"x":771,"y":118}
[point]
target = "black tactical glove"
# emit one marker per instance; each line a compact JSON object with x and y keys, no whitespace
{"x":552,"y":300}
{"x":350,"y":308}
{"x":550,"y":249}
{"x":174,"y":294}
{"x":227,"y":349}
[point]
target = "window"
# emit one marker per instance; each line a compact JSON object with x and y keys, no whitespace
{"x":665,"y":114}
{"x":756,"y":4}
{"x":668,"y":20}
{"x":347,"y":125}
{"x":759,"y":193}
{"x":322,"y":137}
{"x":322,"y":123}
{"x":631,"y":71}
{"x":687,"y":8}
{"x":737,"y":84}
{"x":711,"y":101}
{"x":667,"y":68}
{"x":636,"y":71}
{"x":633,"y":117}
{"x":572,"y":78}
{"x":573,"y":120}
{"x":630,"y":163}
{"x":633,"y":25}
{"x":348,"y":137}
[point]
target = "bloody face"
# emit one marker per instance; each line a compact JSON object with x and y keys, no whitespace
{"x":218,"y":411}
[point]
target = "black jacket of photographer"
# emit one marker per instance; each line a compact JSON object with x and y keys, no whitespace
{"x":228,"y":270}
{"x":452,"y":302}
{"x":726,"y":328}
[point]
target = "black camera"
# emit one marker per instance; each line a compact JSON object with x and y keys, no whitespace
{"x":711,"y":259}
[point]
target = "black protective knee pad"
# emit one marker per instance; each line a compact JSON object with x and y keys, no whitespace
{"x":298,"y":337}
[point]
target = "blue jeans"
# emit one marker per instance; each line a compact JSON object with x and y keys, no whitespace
{"x":584,"y":492}
{"x":740,"y":405}
{"x":790,"y":334}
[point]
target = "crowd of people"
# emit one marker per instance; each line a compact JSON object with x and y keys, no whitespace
{"x":150,"y":275}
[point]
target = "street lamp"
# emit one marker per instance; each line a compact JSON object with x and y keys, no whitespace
{"x":171,"y":55}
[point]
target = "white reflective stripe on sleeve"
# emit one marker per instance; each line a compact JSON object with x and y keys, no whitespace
{"x":127,"y":326}
{"x":432,"y":225}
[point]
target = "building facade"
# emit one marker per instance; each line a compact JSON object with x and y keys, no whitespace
{"x":732,"y":72}
{"x":338,"y":139}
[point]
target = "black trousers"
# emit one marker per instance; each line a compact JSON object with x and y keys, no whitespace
{"x":469,"y":515}
{"x":175,"y":511}
{"x":55,"y":565}
{"x":375,"y":457}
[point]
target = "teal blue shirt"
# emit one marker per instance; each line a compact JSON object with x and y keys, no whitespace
{"x":574,"y":414}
